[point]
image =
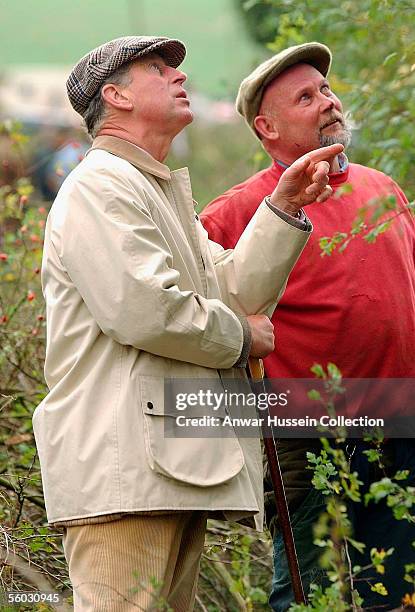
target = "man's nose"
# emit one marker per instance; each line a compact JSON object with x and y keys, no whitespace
{"x":326,"y":103}
{"x":179,"y":76}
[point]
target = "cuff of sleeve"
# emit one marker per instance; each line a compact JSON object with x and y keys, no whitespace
{"x":301,"y":221}
{"x":246,"y":347}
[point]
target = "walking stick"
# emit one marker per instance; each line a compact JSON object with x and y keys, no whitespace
{"x":256,"y":369}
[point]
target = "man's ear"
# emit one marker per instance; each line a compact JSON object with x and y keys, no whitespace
{"x":117,"y":97}
{"x":265,"y":126}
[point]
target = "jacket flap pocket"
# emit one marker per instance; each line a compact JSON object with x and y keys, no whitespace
{"x":203,"y":461}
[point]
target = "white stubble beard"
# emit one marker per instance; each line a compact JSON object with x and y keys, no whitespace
{"x":344,"y":137}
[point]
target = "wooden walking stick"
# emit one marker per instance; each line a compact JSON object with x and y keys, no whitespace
{"x":256,"y":369}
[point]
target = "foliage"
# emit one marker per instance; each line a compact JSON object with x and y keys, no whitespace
{"x":332,"y":476}
{"x":24,"y":538}
{"x":241,"y":561}
{"x":372,"y":220}
{"x":373,"y":46}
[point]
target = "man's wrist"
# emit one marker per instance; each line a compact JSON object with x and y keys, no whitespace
{"x":299,"y":220}
{"x":285,"y":208}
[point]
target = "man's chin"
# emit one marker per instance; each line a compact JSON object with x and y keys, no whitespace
{"x":342,"y":137}
{"x":184,"y":121}
{"x":188,"y":117}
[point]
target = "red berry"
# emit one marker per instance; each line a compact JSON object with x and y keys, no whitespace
{"x":23,"y":199}
{"x":4,"y":257}
{"x":40,"y":318}
{"x":31,"y":296}
{"x":4,"y":319}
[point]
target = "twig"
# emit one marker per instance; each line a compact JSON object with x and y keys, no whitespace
{"x":34,"y":577}
{"x":207,"y":594}
{"x":228,"y":580}
{"x":20,"y":369}
{"x":349,"y":564}
{"x":32,"y":497}
{"x":20,"y":498}
{"x":201,"y":604}
{"x":8,"y":400}
{"x":217,"y":560}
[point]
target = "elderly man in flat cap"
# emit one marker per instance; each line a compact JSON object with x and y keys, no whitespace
{"x":136,"y":293}
{"x":356,"y":309}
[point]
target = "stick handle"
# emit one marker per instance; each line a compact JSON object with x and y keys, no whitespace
{"x":256,"y":368}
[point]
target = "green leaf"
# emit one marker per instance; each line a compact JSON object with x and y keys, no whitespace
{"x":344,"y":189}
{"x":373,"y":454}
{"x":401,"y":475}
{"x":360,"y":546}
{"x":318,"y":371}
{"x":378,"y":587}
{"x":389,"y":58}
{"x":314,"y":395}
{"x":333,"y":371}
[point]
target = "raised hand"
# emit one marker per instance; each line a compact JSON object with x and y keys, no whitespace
{"x":306,"y":180}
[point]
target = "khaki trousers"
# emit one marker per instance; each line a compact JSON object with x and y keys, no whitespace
{"x":139,"y":562}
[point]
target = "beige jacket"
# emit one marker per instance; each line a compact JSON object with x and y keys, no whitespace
{"x":135,"y":293}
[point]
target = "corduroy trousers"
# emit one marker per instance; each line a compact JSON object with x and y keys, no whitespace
{"x":139,"y":562}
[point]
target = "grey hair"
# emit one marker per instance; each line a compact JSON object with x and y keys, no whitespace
{"x":95,"y":113}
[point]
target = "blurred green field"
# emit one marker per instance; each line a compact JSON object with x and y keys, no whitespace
{"x":60,"y":31}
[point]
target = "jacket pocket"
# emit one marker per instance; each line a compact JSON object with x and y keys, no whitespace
{"x":202,"y":462}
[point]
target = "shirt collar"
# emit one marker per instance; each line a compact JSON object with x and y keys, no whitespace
{"x":341,"y":158}
{"x":133,"y":154}
{"x":343,"y":162}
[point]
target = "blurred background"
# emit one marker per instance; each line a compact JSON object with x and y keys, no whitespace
{"x":42,"y":139}
{"x":41,"y":41}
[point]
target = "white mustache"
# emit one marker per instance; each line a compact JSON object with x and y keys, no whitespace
{"x":332,"y":120}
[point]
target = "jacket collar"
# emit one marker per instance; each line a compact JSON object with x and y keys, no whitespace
{"x":131,"y":153}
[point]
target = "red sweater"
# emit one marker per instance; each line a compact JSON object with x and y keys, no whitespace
{"x":355,"y":308}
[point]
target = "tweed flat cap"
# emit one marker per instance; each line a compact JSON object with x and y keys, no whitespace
{"x":252,"y":88}
{"x":96,"y":66}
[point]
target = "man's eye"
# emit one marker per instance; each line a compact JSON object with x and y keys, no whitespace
{"x":304,"y":97}
{"x":325,"y":89}
{"x":155,"y":66}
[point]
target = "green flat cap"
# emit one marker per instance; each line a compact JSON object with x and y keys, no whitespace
{"x":252,"y":88}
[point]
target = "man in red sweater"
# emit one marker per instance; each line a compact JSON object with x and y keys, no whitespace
{"x":356,"y":309}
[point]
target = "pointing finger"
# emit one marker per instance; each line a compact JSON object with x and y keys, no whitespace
{"x":325,"y":153}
